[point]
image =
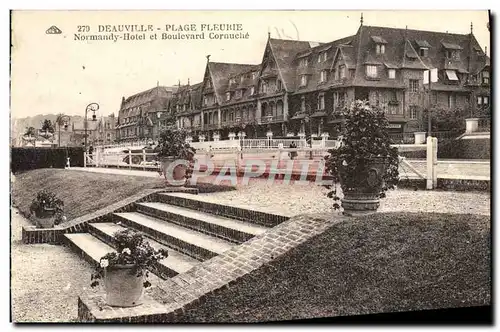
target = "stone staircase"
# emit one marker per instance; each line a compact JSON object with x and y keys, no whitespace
{"x":191,"y":229}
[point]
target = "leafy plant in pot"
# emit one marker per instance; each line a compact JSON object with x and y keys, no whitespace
{"x":364,"y":164}
{"x":126,"y":270}
{"x":176,"y":156}
{"x":47,"y":209}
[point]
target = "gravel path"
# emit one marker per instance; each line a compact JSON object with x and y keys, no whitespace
{"x":46,"y":279}
{"x":309,"y":198}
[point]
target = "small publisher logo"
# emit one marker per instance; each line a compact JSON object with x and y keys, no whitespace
{"x":53,"y":30}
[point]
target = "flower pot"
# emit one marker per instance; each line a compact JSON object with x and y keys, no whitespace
{"x":123,"y":287}
{"x":365,"y":198}
{"x":175,"y":177}
{"x":44,"y":217}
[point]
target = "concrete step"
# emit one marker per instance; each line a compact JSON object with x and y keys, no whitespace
{"x":192,"y":243}
{"x":222,"y":227}
{"x":169,"y":267}
{"x":203,"y":204}
{"x":88,"y":246}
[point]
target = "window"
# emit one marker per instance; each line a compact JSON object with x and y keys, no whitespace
{"x":239,"y":93}
{"x":278,"y":85}
{"x":228,"y":96}
{"x":322,"y":56}
{"x":263,"y":87}
{"x":252,"y":91}
{"x":380,"y":48}
{"x":486,"y":77}
{"x":479,"y":100}
{"x":413,"y":112}
{"x":424,"y":51}
{"x":371,"y":71}
{"x":232,"y":81}
{"x":414,"y":86}
{"x":485,"y":100}
{"x":205,"y":101}
{"x":451,"y":100}
{"x":303,"y":80}
{"x":304,"y":62}
{"x":342,"y":72}
{"x":254,"y":75}
{"x":452,"y":75}
{"x":242,"y":78}
{"x":323,"y":76}
{"x":392,"y":74}
{"x":303,"y":104}
{"x":321,"y":101}
{"x":449,"y":54}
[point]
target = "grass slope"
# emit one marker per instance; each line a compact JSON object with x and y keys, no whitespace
{"x":85,"y":192}
{"x":381,"y":263}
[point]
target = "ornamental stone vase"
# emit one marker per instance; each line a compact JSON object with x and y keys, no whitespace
{"x":366,"y":198}
{"x":122,"y":285}
{"x":175,"y":177}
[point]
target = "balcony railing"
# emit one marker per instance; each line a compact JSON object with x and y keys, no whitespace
{"x":272,"y":118}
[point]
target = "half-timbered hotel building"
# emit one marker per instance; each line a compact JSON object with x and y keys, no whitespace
{"x":301,"y":86}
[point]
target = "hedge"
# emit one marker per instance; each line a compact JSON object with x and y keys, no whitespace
{"x":457,"y":149}
{"x":28,"y":158}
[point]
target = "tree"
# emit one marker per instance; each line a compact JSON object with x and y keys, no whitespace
{"x":48,"y":126}
{"x":30,"y":131}
{"x":444,"y":119}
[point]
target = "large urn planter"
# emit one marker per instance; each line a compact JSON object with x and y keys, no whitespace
{"x":45,"y":217}
{"x":365,"y":199}
{"x":175,"y":176}
{"x":123,"y":286}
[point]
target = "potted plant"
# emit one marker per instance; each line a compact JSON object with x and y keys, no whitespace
{"x":125,"y":271}
{"x":173,"y":146}
{"x":47,"y":209}
{"x":365,"y":164}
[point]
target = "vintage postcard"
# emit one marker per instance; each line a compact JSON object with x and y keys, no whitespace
{"x":250,"y":166}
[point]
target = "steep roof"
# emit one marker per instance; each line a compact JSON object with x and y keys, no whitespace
{"x":285,"y":52}
{"x":315,"y":67}
{"x":221,"y":73}
{"x":402,"y":50}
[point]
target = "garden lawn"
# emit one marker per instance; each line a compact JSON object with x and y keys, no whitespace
{"x":386,"y":262}
{"x":86,"y":192}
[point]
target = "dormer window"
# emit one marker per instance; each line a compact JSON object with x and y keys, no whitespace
{"x":303,"y":104}
{"x":322,"y":57}
{"x":252,"y":91}
{"x":323,"y":76}
{"x":254,"y":75}
{"x":452,"y":75}
{"x":239,"y":93}
{"x":371,"y":71}
{"x":391,"y":74}
{"x":228,"y":96}
{"x":232,"y":81}
{"x":303,"y":80}
{"x":486,"y":77}
{"x":304,"y":62}
{"x":380,"y":48}
{"x":205,"y":101}
{"x":342,"y":72}
{"x":242,"y":78}
{"x":424,"y":52}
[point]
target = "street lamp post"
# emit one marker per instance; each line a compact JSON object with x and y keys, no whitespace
{"x":93,"y":107}
{"x":62,"y":119}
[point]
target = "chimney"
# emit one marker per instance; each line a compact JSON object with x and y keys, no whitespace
{"x":361,"y":20}
{"x":471,"y":28}
{"x":208,"y":58}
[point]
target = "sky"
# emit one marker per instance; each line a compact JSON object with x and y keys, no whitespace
{"x":53,"y":73}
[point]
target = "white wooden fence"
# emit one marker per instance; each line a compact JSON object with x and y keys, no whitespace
{"x":147,"y":161}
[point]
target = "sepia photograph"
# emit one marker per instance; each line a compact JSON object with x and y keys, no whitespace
{"x":250,"y":166}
